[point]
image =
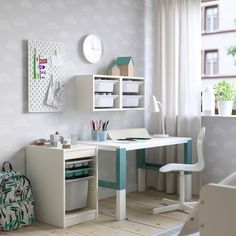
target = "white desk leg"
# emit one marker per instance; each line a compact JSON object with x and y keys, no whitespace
{"x":141,"y":180}
{"x":188,"y":187}
{"x":121,"y":204}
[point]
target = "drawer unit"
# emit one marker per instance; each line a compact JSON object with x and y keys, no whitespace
{"x":66,"y":192}
{"x":73,"y":154}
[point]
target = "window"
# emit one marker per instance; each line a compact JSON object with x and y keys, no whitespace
{"x":210,"y":18}
{"x":211,"y":62}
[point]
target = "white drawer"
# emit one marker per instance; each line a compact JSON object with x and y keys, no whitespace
{"x":73,"y":154}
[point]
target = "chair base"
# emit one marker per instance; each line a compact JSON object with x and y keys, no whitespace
{"x":173,"y":205}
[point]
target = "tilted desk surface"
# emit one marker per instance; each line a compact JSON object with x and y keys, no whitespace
{"x":120,"y":147}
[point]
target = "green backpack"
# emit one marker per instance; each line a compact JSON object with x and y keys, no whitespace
{"x":16,"y":199}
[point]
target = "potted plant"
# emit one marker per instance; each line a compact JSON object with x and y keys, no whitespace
{"x":224,"y":94}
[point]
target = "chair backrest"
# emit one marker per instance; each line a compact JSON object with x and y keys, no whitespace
{"x":199,"y":166}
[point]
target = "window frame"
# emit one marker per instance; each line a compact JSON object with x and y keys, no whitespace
{"x":204,"y":9}
{"x":204,"y":52}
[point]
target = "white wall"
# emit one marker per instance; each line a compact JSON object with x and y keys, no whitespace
{"x":220,"y":147}
{"x":227,"y":14}
{"x":120,"y":25}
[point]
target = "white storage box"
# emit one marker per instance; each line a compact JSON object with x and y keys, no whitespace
{"x":104,"y":85}
{"x":130,"y":86}
{"x":76,"y":194}
{"x":131,"y":100}
{"x":105,"y":100}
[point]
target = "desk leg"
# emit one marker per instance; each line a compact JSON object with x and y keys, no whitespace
{"x":188,"y":176}
{"x":141,"y":171}
{"x":121,"y":184}
{"x":120,"y":204}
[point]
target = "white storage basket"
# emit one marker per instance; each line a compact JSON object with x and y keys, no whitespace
{"x":130,"y":86}
{"x":76,"y":194}
{"x":105,"y":100}
{"x":131,"y":100}
{"x":104,"y":85}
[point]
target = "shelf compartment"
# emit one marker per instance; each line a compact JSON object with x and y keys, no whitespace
{"x":79,"y":216}
{"x":131,"y":100}
{"x":105,"y":85}
{"x":79,"y":179}
{"x":79,"y":161}
{"x":76,"y":195}
{"x":102,"y":101}
{"x":78,"y":172}
{"x":131,"y":86}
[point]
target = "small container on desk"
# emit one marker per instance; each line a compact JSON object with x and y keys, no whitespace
{"x":99,"y":135}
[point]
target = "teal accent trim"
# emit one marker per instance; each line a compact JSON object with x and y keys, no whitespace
{"x":124,"y":60}
{"x":121,"y":168}
{"x":107,"y":184}
{"x":188,"y":154}
{"x":141,"y":164}
{"x":152,"y":166}
{"x":140,"y":160}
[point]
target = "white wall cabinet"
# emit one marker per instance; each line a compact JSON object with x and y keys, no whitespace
{"x":105,"y":92}
{"x":64,"y":183}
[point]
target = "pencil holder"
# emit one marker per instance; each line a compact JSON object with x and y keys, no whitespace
{"x":99,"y":135}
{"x":102,"y":135}
{"x":95,"y":135}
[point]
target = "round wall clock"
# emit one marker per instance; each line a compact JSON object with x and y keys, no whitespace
{"x":92,"y":48}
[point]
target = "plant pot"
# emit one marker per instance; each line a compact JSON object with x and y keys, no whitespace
{"x":225,"y":108}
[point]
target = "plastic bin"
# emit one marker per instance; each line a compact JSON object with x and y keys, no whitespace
{"x":131,"y":100}
{"x":76,"y":194}
{"x":104,"y":85}
{"x":105,"y":100}
{"x":130,"y":86}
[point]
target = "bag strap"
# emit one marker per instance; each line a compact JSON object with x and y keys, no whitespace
{"x":9,"y":166}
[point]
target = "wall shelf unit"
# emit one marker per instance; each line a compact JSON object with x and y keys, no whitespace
{"x":64,"y":183}
{"x":109,"y":93}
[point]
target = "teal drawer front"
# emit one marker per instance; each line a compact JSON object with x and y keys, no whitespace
{"x":78,"y":172}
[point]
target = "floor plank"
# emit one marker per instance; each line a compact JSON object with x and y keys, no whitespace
{"x":139,"y":222}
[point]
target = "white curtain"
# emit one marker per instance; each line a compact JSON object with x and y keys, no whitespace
{"x":177,"y":83}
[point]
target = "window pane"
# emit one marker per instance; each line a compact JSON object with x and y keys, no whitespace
{"x":211,"y":18}
{"x":211,"y":62}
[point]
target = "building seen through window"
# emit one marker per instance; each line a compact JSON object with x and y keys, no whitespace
{"x":211,"y":18}
{"x":211,"y":62}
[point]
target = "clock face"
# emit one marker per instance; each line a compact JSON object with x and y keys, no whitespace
{"x":92,"y":48}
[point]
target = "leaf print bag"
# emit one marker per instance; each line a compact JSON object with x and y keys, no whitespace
{"x":16,"y":199}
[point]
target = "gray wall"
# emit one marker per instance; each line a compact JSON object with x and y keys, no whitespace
{"x":220,"y":147}
{"x":120,"y":25}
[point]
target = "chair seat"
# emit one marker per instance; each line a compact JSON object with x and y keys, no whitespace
{"x":178,"y":167}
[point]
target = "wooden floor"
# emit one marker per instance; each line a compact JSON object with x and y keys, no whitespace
{"x":140,"y":220}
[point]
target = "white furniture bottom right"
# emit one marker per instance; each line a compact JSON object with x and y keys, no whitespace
{"x":216,"y":211}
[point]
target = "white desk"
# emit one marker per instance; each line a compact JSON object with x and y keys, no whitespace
{"x":120,"y":147}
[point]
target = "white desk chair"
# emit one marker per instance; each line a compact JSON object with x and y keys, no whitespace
{"x":181,"y":168}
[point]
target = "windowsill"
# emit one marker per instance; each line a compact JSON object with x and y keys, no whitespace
{"x":218,"y":76}
{"x":218,"y":116}
{"x":218,"y":32}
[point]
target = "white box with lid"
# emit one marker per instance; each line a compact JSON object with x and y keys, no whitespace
{"x":131,"y":86}
{"x":103,"y":85}
{"x":105,"y":100}
{"x":131,"y":100}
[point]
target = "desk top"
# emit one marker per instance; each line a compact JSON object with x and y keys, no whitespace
{"x":112,"y":145}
